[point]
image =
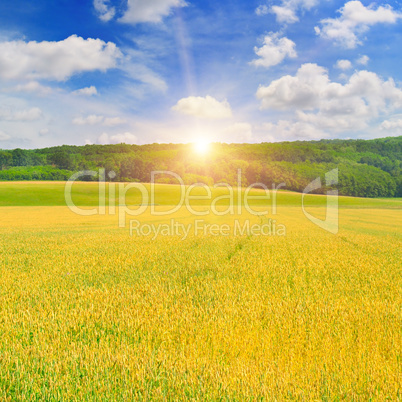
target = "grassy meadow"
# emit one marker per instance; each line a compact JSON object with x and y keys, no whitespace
{"x":89,"y":311}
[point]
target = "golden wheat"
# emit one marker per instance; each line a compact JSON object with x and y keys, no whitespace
{"x":88,"y":312}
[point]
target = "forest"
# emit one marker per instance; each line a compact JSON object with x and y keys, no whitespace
{"x":367,"y":168}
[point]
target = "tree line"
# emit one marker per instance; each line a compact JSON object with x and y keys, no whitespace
{"x":367,"y":168}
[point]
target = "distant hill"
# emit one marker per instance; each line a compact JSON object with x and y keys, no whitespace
{"x":367,"y":168}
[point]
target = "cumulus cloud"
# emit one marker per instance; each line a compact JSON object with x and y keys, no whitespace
{"x":207,"y":108}
{"x":391,"y":125}
{"x":363,"y":60}
{"x":330,"y":105}
{"x":355,"y":19}
{"x":300,"y":91}
{"x":126,"y":138}
{"x":149,"y":11}
{"x":56,"y":60}
{"x":88,"y":91}
{"x":288,"y":130}
{"x":274,"y":51}
{"x":286,"y":13}
{"x":34,"y":87}
{"x":96,"y":119}
{"x":343,"y":64}
{"x":105,"y":11}
{"x":8,"y":114}
{"x":4,"y":136}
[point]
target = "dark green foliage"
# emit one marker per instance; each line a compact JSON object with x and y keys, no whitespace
{"x":366,"y":168}
{"x":63,"y":160}
{"x":5,"y":159}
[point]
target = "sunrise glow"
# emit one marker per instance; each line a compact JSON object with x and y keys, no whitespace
{"x":202,"y":146}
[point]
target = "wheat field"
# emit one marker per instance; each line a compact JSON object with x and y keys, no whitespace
{"x":90,"y":312}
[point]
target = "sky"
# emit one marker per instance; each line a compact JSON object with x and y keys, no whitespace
{"x":175,"y":71}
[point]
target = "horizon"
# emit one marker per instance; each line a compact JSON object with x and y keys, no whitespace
{"x":108,"y":72}
{"x":210,"y":143}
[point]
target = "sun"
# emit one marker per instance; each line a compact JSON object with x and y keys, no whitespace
{"x":201,"y":146}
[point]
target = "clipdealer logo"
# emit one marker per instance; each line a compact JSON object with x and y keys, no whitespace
{"x":237,"y":199}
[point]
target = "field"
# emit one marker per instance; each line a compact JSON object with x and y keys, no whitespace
{"x":90,"y":311}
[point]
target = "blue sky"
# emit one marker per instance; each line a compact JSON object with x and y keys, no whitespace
{"x":144,"y":71}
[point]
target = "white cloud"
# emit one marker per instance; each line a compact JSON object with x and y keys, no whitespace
{"x":301,"y":91}
{"x":96,"y":119}
{"x":103,"y":139}
{"x":113,"y":121}
{"x":179,"y":131}
{"x":34,"y":87}
{"x":4,"y":136}
{"x":207,"y":108}
{"x":105,"y":11}
{"x":149,"y":11}
{"x":286,"y":13}
{"x":391,"y":125}
{"x":355,"y":19}
{"x":288,"y":130}
{"x":363,"y":60}
{"x":274,"y":51}
{"x":88,"y":91}
{"x":126,"y":138}
{"x":343,"y":64}
{"x":330,"y":105}
{"x":8,"y":114}
{"x":89,"y":120}
{"x":56,"y":60}
{"x":262,"y":10}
